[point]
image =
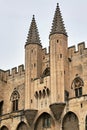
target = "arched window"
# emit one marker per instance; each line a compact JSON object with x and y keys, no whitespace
{"x":70,"y":122}
{"x":22,"y":126}
{"x":77,"y":85}
{"x":44,"y":122}
{"x":4,"y":128}
{"x":14,"y":98}
{"x":86,"y":123}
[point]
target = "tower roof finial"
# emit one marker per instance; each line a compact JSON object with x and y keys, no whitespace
{"x":33,"y":35}
{"x":58,"y":25}
{"x":33,"y":16}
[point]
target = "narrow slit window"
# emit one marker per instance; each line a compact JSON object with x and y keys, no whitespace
{"x":60,"y":55}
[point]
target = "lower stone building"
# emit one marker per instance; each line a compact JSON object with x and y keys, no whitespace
{"x":49,"y":92}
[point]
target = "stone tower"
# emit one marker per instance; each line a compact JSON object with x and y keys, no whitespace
{"x":51,"y":92}
{"x":33,"y":60}
{"x":58,"y":58}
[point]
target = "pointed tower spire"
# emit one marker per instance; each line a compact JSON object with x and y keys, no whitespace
{"x":58,"y":25}
{"x":33,"y":35}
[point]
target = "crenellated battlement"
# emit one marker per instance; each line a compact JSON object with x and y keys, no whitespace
{"x":2,"y":74}
{"x":16,"y":71}
{"x":81,"y":46}
{"x":81,"y":50}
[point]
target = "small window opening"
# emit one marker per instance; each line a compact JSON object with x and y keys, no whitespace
{"x":31,"y":100}
{"x":32,"y":50}
{"x":60,"y":55}
{"x":34,"y":64}
{"x":81,"y":105}
{"x":57,"y":41}
{"x":46,"y":122}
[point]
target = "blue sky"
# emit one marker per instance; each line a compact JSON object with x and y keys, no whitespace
{"x":15,"y":19}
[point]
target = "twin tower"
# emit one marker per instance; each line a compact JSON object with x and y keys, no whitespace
{"x":46,"y":74}
{"x":51,"y":93}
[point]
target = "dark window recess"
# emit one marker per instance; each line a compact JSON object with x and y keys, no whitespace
{"x":81,"y":105}
{"x":1,"y":107}
{"x":69,"y":59}
{"x":32,"y":51}
{"x":78,"y":92}
{"x":15,"y":105}
{"x":46,"y":122}
{"x":31,"y":100}
{"x":34,"y":64}
{"x":60,"y":55}
{"x":57,"y":41}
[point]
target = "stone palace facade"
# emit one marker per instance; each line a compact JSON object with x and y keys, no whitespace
{"x":49,"y":92}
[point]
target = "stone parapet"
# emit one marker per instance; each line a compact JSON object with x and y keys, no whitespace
{"x":81,"y":50}
{"x":14,"y":72}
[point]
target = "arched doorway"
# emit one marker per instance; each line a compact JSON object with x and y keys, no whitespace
{"x":4,"y":128}
{"x":22,"y":126}
{"x":44,"y":122}
{"x":70,"y":122}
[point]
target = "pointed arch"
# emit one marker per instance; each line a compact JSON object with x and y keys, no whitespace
{"x":4,"y":128}
{"x":15,"y":95}
{"x":14,"y":98}
{"x":77,"y":85}
{"x":77,"y":82}
{"x":44,"y":121}
{"x":70,"y":122}
{"x":22,"y":126}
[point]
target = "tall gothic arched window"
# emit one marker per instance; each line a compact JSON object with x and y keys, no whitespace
{"x":77,"y":85}
{"x":14,"y":98}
